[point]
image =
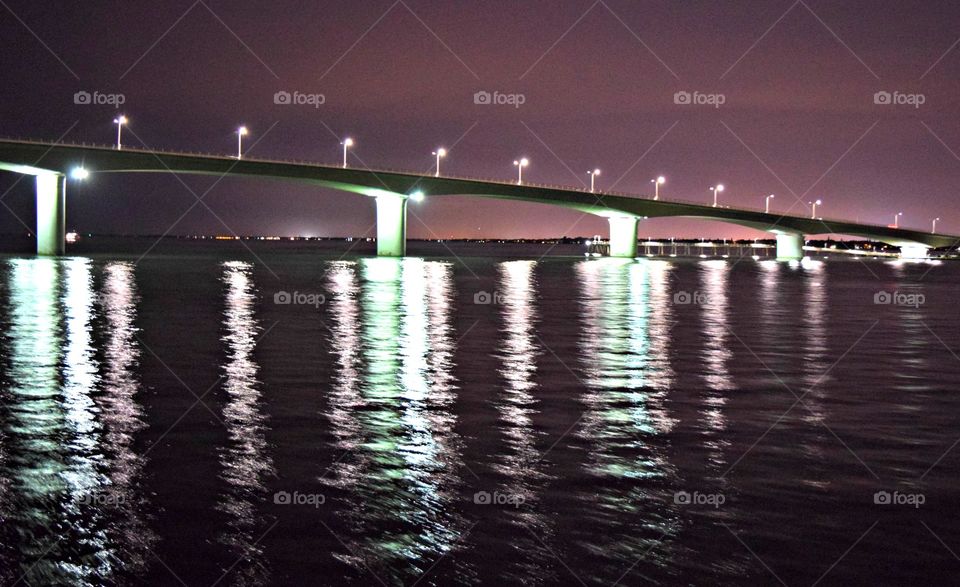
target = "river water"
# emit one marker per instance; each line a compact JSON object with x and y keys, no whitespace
{"x":304,"y":415}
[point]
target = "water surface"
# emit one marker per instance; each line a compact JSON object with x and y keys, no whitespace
{"x":475,"y":416}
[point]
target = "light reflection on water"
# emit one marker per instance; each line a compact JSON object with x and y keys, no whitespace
{"x":625,"y":355}
{"x":518,"y":355}
{"x":70,"y":427}
{"x":626,"y":309}
{"x":35,"y":431}
{"x":122,"y":417}
{"x":391,"y":412}
{"x":814,"y":350}
{"x":520,"y":463}
{"x":246,"y":459}
{"x":714,"y":318}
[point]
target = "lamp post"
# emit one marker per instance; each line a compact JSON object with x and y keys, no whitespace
{"x":593,"y":176}
{"x":716,"y":190}
{"x":656,"y":186}
{"x":347,"y":143}
{"x":770,"y":197}
{"x":440,"y":154}
{"x":241,"y":132}
{"x":120,"y":121}
{"x":896,"y":219}
{"x":815,"y":204}
{"x":520,"y":164}
{"x":935,"y":221}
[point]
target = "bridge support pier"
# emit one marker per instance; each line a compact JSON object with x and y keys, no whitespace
{"x":623,"y":236}
{"x":51,"y":214}
{"x":789,"y":247}
{"x":914,"y":252}
{"x":391,"y":225}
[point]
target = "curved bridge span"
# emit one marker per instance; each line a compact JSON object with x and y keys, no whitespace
{"x":50,"y":163}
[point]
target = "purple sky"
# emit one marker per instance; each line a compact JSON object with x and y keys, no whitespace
{"x":598,"y":81}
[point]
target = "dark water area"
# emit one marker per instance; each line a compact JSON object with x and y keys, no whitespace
{"x":301,"y":414}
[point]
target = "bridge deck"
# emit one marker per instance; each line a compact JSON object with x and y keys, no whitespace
{"x":26,"y":156}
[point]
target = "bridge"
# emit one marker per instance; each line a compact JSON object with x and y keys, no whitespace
{"x":50,"y":163}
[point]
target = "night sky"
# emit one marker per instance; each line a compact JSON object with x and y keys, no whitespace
{"x":598,"y":81}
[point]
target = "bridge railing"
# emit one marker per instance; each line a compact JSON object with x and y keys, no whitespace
{"x":424,"y":174}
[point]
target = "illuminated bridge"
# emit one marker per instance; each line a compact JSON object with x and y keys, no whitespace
{"x":51,"y":163}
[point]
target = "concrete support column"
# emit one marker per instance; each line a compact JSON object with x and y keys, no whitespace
{"x":914,"y":251}
{"x":789,"y":247}
{"x":623,"y":236}
{"x":51,"y":214}
{"x":391,"y":225}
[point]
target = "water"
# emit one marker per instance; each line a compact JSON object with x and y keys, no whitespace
{"x":497,"y":419}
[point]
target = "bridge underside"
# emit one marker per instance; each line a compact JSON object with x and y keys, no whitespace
{"x":391,"y":221}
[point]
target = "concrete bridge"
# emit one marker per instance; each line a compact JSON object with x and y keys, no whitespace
{"x":50,"y":163}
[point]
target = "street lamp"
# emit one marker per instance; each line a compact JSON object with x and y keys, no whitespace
{"x":417,"y":196}
{"x":241,"y":132}
{"x":935,"y":221}
{"x":896,"y":219}
{"x":815,"y":204}
{"x":440,"y":153}
{"x":593,"y":175}
{"x":347,"y":143}
{"x":656,"y":186}
{"x":770,"y":197}
{"x":716,"y":190}
{"x":81,"y":173}
{"x":520,"y":165}
{"x":120,"y":121}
